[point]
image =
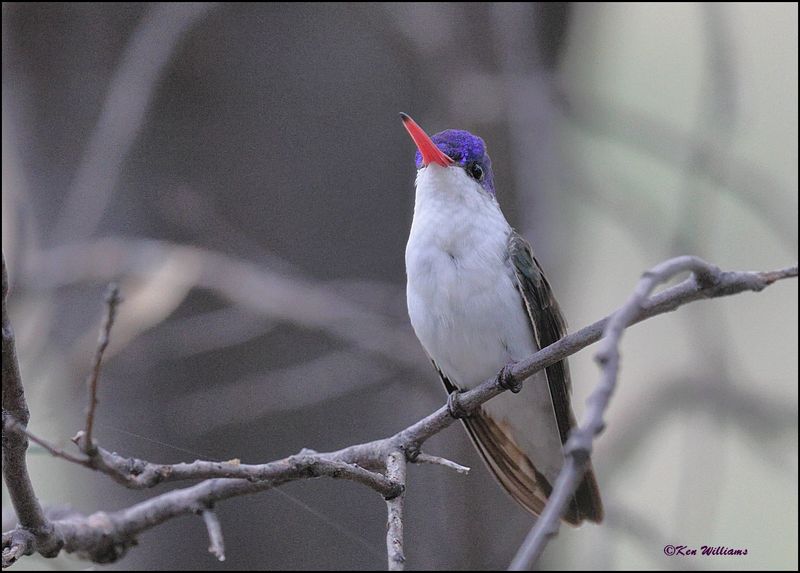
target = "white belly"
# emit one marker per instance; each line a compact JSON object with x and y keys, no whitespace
{"x":466,"y":312}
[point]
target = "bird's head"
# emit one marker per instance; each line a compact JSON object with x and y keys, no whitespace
{"x":453,"y":149}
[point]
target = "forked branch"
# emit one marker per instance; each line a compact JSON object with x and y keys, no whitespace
{"x":381,"y":465}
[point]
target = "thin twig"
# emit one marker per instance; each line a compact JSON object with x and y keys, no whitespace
{"x":579,"y":445}
{"x":135,"y":473}
{"x":13,"y":425}
{"x":105,"y":537}
{"x":395,"y":471}
{"x":112,"y":301}
{"x":216,"y":544}
{"x":423,"y":458}
{"x":35,"y":530}
{"x":15,"y":445}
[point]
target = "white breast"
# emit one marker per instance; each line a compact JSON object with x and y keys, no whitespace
{"x":461,"y":295}
{"x":464,"y":306}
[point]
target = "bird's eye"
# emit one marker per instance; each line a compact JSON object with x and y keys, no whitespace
{"x":475,"y":171}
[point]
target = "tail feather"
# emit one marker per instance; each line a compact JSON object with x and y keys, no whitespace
{"x":586,"y":503}
{"x":520,"y":478}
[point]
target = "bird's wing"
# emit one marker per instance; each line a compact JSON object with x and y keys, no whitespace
{"x":548,"y":326}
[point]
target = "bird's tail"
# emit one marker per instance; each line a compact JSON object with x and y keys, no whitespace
{"x":520,"y":478}
{"x":586,"y":503}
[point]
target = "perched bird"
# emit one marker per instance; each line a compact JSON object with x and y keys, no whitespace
{"x":478,"y":300}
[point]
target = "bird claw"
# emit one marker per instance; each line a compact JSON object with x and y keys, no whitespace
{"x":506,"y":380}
{"x":454,"y":405}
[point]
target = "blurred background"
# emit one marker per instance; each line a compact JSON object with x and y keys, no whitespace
{"x":242,"y":171}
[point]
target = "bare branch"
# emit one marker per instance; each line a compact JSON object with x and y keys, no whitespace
{"x":579,"y":445}
{"x":423,"y":458}
{"x":217,"y":545}
{"x":135,"y":473}
{"x":105,"y":537}
{"x":395,"y":471}
{"x":112,"y":301}
{"x":12,"y":425}
{"x":16,"y":543}
{"x":32,"y":520}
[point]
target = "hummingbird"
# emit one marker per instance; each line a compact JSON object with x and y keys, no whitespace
{"x":478,"y":301}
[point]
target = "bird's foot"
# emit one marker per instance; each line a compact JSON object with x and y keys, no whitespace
{"x":454,"y":405}
{"x":505,"y":379}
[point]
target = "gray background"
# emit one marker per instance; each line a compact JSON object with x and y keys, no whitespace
{"x":242,"y":170}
